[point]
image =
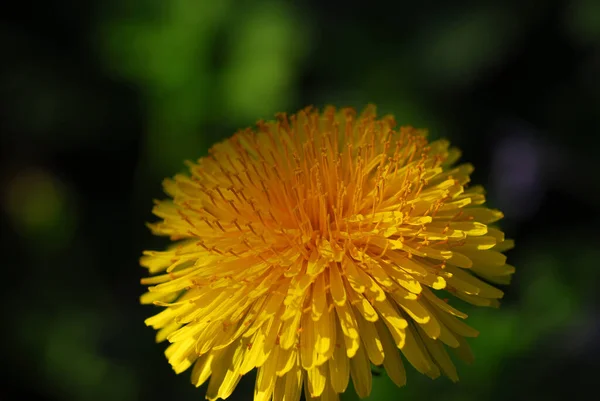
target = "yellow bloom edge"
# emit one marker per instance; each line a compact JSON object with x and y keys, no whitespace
{"x":312,"y":247}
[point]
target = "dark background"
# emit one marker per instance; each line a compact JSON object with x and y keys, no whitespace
{"x":99,"y":100}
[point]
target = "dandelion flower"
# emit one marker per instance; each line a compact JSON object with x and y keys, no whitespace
{"x":316,"y":246}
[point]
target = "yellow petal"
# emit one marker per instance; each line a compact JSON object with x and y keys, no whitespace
{"x":437,"y":351}
{"x":444,"y":306}
{"x":392,"y":361}
{"x":318,"y":297}
{"x":316,"y":380}
{"x":415,"y":352}
{"x":293,"y":385}
{"x":360,"y":371}
{"x":265,"y":384}
{"x":413,"y":308}
{"x":289,"y":331}
{"x":202,"y":369}
{"x":308,"y":349}
{"x":393,"y":321}
{"x":325,"y":334}
{"x":339,"y":366}
{"x":233,"y":376}
{"x":362,"y":305}
{"x":286,"y":360}
{"x":338,"y":293}
{"x":370,"y":340}
{"x":349,"y":328}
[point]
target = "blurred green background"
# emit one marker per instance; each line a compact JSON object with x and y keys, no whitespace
{"x":99,"y":100}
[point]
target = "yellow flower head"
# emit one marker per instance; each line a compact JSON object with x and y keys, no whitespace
{"x":312,"y":248}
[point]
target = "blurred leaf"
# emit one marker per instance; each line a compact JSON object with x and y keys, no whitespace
{"x":70,"y":359}
{"x":460,"y":47}
{"x":266,"y":45}
{"x":162,"y":51}
{"x":583,"y":20}
{"x":37,"y":204}
{"x":169,"y":57}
